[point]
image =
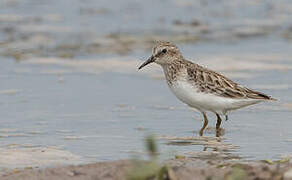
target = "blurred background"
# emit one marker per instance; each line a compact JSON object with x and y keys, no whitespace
{"x":70,"y":85}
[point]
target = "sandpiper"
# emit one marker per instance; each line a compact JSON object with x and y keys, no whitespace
{"x":202,"y":88}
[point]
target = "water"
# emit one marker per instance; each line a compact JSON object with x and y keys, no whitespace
{"x":102,"y":111}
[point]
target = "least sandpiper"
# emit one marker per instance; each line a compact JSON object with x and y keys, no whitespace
{"x":202,"y":88}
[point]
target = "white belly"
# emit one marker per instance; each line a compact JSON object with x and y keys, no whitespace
{"x":190,"y":95}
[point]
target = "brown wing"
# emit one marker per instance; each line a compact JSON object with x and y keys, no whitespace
{"x":210,"y":81}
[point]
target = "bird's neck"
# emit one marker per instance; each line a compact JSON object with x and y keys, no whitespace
{"x":172,"y":72}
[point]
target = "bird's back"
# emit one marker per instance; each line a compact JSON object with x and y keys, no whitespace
{"x":209,"y":81}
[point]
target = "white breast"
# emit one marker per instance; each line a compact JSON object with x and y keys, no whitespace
{"x":190,"y":95}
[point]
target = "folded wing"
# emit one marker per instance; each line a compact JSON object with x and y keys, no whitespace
{"x":211,"y":82}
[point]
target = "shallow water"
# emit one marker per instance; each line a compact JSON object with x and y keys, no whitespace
{"x":99,"y":107}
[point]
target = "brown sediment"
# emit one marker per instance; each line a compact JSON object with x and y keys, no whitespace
{"x":180,"y":168}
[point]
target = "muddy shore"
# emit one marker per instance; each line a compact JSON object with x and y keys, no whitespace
{"x":177,"y":169}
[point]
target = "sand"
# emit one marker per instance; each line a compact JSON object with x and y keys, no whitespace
{"x":185,"y":168}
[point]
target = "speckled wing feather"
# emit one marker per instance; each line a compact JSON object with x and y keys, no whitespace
{"x":211,"y":82}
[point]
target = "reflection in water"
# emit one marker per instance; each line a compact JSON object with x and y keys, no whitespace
{"x":212,"y":146}
{"x":218,"y":140}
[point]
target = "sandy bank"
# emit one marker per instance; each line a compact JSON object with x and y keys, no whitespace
{"x":188,"y":168}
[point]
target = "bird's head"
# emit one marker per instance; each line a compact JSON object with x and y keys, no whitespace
{"x":163,"y":53}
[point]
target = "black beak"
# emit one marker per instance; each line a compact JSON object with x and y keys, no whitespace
{"x":149,"y":60}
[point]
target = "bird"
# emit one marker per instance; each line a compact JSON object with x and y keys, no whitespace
{"x":201,"y":88}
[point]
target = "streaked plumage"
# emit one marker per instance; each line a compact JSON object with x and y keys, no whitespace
{"x":199,"y":87}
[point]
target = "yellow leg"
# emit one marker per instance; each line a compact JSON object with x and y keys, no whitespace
{"x":219,"y":120}
{"x":205,"y":124}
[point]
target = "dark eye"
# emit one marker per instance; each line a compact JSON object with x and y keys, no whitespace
{"x":164,"y":50}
